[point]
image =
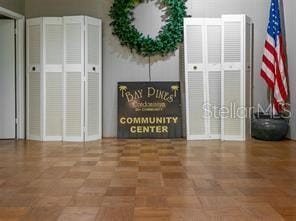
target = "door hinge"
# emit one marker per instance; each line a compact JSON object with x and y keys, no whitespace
{"x":16,"y":121}
{"x":15,"y":31}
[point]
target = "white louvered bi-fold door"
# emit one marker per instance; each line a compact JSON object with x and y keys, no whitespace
{"x":213,"y":75}
{"x":53,"y":78}
{"x":93,"y":84}
{"x":195,"y":78}
{"x":218,"y":61}
{"x":64,"y":79}
{"x":73,"y":128}
{"x":233,"y":77}
{"x":203,"y":77}
{"x":34,"y":71}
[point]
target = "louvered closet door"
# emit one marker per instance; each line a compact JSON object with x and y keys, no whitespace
{"x":53,"y":71}
{"x":213,"y":70}
{"x":195,"y":78}
{"x":93,"y":86}
{"x":34,"y":69}
{"x":73,"y":78}
{"x":232,"y":77}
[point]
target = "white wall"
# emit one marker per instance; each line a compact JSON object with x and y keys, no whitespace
{"x":14,"y":5}
{"x":290,"y":19}
{"x":121,"y":65}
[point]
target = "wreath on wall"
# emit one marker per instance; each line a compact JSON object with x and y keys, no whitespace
{"x":170,"y":35}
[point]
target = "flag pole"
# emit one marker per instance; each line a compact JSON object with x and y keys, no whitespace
{"x":271,"y":96}
{"x":149,"y":59}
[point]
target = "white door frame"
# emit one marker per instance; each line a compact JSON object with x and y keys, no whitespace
{"x":20,"y":69}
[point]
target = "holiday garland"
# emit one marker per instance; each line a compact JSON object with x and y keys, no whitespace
{"x":170,"y":35}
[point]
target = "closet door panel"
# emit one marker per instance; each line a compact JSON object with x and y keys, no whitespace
{"x":214,"y":42}
{"x":195,"y":78}
{"x":213,"y":70}
{"x":73,"y":106}
{"x":93,"y":90}
{"x":214,"y":78}
{"x":33,"y":106}
{"x":232,"y":41}
{"x":196,"y":94}
{"x":232,"y":101}
{"x":73,"y":78}
{"x":249,"y":77}
{"x":233,"y":88}
{"x":34,"y":70}
{"x":54,"y":106}
{"x":53,"y":71}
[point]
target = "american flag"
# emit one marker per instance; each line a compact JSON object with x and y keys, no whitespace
{"x":274,"y":70}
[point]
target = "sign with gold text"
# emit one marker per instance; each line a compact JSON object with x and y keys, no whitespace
{"x":149,"y":110}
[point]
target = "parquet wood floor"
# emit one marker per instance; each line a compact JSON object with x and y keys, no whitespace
{"x":147,"y":180}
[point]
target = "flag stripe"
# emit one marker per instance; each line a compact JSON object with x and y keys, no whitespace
{"x":269,"y":56}
{"x":279,"y":77}
{"x":268,"y":72}
{"x":268,"y":64}
{"x":267,"y":79}
{"x":270,"y":48}
{"x":284,"y":56}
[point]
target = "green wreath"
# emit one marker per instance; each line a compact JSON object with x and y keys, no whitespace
{"x":170,"y":35}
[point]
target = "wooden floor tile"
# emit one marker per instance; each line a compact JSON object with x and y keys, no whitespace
{"x":123,"y":182}
{"x":12,"y":213}
{"x":52,"y":201}
{"x":174,"y":175}
{"x":79,"y":213}
{"x":183,"y":202}
{"x":115,"y":214}
{"x":151,"y":201}
{"x":187,"y":214}
{"x":118,"y":201}
{"x":217,"y":202}
{"x":150,"y":213}
{"x":261,"y":211}
{"x":121,"y":191}
{"x":86,"y":200}
{"x":43,"y":213}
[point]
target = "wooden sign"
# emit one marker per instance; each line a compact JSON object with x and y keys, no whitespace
{"x":149,"y":110}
